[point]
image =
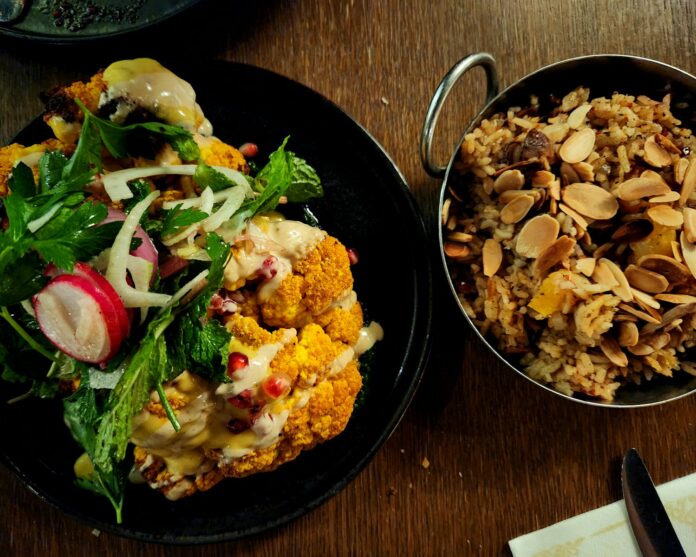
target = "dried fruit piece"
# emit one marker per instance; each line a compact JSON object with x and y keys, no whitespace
{"x":508,"y":180}
{"x":578,"y":146}
{"x":666,"y":216}
{"x":517,"y":209}
{"x":655,"y":154}
{"x":577,"y":117}
{"x":628,"y":334}
{"x":612,"y":350}
{"x":536,"y":145}
{"x":536,"y":235}
{"x":632,"y":231}
{"x":590,"y":200}
{"x":492,"y":257}
{"x":636,"y":188}
{"x":568,"y":174}
{"x":659,"y":241}
{"x":554,"y":254}
{"x":689,"y":223}
{"x":647,"y":281}
{"x":550,"y":297}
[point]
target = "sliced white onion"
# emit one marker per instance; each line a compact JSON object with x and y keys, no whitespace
{"x":218,"y":197}
{"x":141,"y":271}
{"x":229,"y":207}
{"x":34,"y":225}
{"x":190,"y":285}
{"x":207,"y":200}
{"x":118,"y":260}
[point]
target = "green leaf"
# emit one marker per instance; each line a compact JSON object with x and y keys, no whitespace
{"x":140,"y":189}
{"x":18,"y":213}
{"x":178,"y":218}
{"x":273,"y":180}
{"x":25,"y":279}
{"x":207,"y":177}
{"x":21,"y":181}
{"x":51,"y":165}
{"x":305,"y":183}
{"x":87,"y":155}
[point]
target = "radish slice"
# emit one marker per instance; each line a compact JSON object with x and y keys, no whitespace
{"x":118,"y":261}
{"x":146,"y":249}
{"x":78,"y":318}
{"x":171,"y":266}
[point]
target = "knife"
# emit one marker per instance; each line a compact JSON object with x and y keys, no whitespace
{"x":651,"y":527}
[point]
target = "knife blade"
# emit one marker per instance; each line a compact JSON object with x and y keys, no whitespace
{"x":651,"y":526}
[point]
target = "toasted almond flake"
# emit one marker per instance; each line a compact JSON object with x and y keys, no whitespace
{"x":673,"y":314}
{"x":578,"y":146}
{"x":456,"y":251}
{"x":555,"y":190}
{"x":577,"y":117}
{"x":451,"y":223}
{"x":673,"y":325}
{"x":628,"y":333}
{"x":590,"y":200}
{"x":652,"y":174}
{"x":509,"y":195}
{"x":602,"y":274}
{"x":568,"y":174}
{"x":645,"y":280}
{"x":542,"y":178}
{"x":689,"y":182}
{"x":645,"y":299}
{"x":556,"y":132}
{"x":632,"y":231}
{"x":492,"y":257}
{"x":508,"y":180}
{"x":666,"y":216}
{"x":637,"y":188}
{"x":667,"y":144}
{"x":688,"y":367}
{"x":488,"y":185}
{"x":585,"y":171}
{"x":517,"y":209}
{"x":690,"y":223}
{"x":655,"y":154}
{"x":659,"y":341}
{"x":623,"y":289}
{"x":688,"y":250}
{"x":554,"y":254}
{"x":641,"y":349}
{"x":680,"y":170}
{"x":586,"y":265}
{"x":670,"y":268}
{"x":621,"y":317}
{"x":676,"y":251}
{"x":612,"y":350}
{"x":676,"y":298}
{"x":579,"y":219}
{"x":537,"y":234}
{"x":460,"y":237}
{"x":670,"y":197}
{"x":445,"y":210}
{"x":553,"y":207}
{"x":639,"y":314}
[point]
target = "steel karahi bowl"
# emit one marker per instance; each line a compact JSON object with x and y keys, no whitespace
{"x":604,"y":75}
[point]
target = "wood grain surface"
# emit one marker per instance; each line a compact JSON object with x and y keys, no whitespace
{"x":505,"y":457}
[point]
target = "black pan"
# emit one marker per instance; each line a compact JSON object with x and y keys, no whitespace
{"x":369,"y":207}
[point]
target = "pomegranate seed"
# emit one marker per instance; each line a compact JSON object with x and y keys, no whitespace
{"x":242,"y":400}
{"x":352,"y":255}
{"x":276,"y":385}
{"x":249,"y":150}
{"x":236,"y":361}
{"x":255,"y":412}
{"x":237,"y":425}
{"x":268,"y":268}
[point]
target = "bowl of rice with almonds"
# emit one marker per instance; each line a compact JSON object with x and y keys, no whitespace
{"x":568,"y":228}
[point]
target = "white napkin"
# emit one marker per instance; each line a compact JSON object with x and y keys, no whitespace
{"x":606,"y":531}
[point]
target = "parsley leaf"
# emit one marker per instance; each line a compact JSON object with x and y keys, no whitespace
{"x":21,"y":181}
{"x":51,"y":165}
{"x":177,"y":218}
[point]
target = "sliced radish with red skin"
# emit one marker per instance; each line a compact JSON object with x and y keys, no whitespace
{"x":78,"y":318}
{"x":171,"y":266}
{"x":99,"y":280}
{"x":146,"y":250}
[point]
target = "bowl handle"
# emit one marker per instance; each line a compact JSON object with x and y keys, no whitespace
{"x":458,"y":70}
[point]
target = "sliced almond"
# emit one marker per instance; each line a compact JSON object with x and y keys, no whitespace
{"x":603,"y":275}
{"x":556,"y":132}
{"x":568,"y":174}
{"x":690,"y":223}
{"x":460,"y":237}
{"x":641,"y":349}
{"x":637,"y":188}
{"x":656,"y":155}
{"x":537,"y":234}
{"x":639,"y":314}
{"x":590,"y":200}
{"x":456,"y":251}
{"x":688,"y":250}
{"x":658,"y":341}
{"x":622,"y":289}
{"x":645,"y":299}
{"x":585,"y":171}
{"x":676,"y":298}
{"x":670,"y":268}
{"x":632,"y":231}
{"x":680,"y":170}
{"x":586,"y":265}
{"x":509,"y":195}
{"x":445,"y":210}
{"x":509,"y":180}
{"x":578,"y":146}
{"x":555,"y":190}
{"x":667,"y":144}
{"x":670,"y":197}
{"x":492,"y":257}
{"x":689,"y":182}
{"x":628,"y":334}
{"x":645,"y":280}
{"x":517,"y":209}
{"x":676,"y":251}
{"x":577,"y":117}
{"x":612,"y":350}
{"x":554,"y":254}
{"x":578,"y":218}
{"x":666,"y":216}
{"x":673,"y":314}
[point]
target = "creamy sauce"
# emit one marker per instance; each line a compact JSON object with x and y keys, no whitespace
{"x":368,"y":337}
{"x":146,"y":83}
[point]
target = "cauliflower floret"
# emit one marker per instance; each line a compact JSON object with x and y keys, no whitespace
{"x":10,"y":154}
{"x":216,"y":153}
{"x":316,"y":282}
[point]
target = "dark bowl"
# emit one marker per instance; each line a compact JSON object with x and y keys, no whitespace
{"x":604,"y":74}
{"x":367,"y":204}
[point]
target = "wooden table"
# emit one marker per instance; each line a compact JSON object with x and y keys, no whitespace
{"x":505,"y":457}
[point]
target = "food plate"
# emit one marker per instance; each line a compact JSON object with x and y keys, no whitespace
{"x":369,"y":207}
{"x":39,"y":23}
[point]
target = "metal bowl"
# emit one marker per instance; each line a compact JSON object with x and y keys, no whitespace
{"x":603,"y":74}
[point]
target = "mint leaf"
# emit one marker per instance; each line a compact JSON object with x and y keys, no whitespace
{"x":305,"y":183}
{"x":207,"y":177}
{"x":21,"y":181}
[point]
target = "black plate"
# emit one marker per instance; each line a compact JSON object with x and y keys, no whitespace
{"x":368,"y":206}
{"x":37,"y":25}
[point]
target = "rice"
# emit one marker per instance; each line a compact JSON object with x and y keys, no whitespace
{"x":570,"y":237}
